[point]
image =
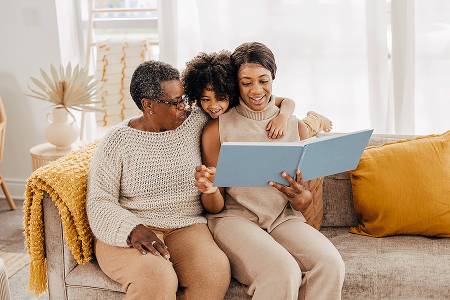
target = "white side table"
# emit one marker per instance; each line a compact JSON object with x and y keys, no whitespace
{"x":42,"y":154}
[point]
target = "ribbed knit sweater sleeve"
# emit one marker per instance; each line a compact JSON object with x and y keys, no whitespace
{"x":109,"y":221}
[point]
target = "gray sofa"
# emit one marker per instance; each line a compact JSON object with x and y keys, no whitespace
{"x":398,"y":267}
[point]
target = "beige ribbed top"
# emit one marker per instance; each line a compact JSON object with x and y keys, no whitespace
{"x":265,"y":206}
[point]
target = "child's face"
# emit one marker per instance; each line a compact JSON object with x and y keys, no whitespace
{"x":211,"y":105}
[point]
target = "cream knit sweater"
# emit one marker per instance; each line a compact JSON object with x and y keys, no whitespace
{"x":138,"y":177}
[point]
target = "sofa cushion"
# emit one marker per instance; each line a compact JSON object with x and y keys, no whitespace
{"x":396,"y":267}
{"x":403,"y":187}
{"x":338,"y":201}
{"x":337,"y":189}
{"x":90,"y":279}
{"x":314,"y":213}
{"x":90,"y":275}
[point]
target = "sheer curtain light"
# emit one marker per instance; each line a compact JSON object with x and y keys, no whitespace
{"x":335,"y":56}
{"x":432,"y":81}
{"x":378,"y":64}
{"x":403,"y":65}
{"x":319,"y":46}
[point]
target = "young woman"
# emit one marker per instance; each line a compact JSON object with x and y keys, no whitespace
{"x":209,"y":80}
{"x":262,"y":230}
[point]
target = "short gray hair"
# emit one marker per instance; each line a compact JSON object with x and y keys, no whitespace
{"x":147,"y":78}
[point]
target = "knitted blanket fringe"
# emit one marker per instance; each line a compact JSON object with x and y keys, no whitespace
{"x":65,"y":181}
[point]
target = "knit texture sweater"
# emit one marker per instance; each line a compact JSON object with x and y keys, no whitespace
{"x":265,"y":206}
{"x":139,"y":177}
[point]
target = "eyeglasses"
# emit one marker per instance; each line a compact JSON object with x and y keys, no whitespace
{"x":180,"y":105}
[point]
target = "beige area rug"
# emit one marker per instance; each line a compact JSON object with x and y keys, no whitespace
{"x":14,"y":262}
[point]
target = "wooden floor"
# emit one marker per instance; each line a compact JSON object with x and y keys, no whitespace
{"x":12,"y":239}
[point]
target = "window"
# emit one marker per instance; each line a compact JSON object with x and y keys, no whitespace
{"x":117,"y":19}
{"x":120,"y":21}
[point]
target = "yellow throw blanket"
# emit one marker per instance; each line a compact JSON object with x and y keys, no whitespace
{"x":65,"y":181}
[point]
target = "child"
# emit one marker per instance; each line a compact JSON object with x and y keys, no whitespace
{"x":209,"y":79}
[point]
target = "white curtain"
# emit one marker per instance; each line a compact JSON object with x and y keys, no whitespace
{"x":432,"y":85}
{"x":378,"y":66}
{"x":347,"y":59}
{"x":403,"y":65}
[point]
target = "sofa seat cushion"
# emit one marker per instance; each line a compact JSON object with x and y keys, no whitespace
{"x":397,"y":267}
{"x":90,"y":275}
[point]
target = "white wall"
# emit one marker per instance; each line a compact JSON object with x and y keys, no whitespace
{"x":24,"y":48}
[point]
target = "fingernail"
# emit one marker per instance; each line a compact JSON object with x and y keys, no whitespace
{"x":157,"y":253}
{"x":270,"y":183}
{"x":144,"y":253}
{"x":167,"y":256}
{"x":284,"y":174}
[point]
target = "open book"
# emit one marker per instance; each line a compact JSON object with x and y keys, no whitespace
{"x":254,"y":164}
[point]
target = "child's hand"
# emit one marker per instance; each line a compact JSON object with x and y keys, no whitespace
{"x":277,"y":127}
{"x":204,"y":179}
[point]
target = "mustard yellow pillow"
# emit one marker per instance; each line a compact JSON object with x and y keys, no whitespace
{"x":404,"y":188}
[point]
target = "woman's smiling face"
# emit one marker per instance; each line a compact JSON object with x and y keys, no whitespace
{"x":255,"y":85}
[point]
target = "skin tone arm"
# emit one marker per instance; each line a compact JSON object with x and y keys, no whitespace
{"x":277,"y":126}
{"x":212,"y":197}
{"x":297,"y":192}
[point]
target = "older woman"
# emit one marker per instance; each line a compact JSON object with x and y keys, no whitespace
{"x":142,"y":205}
{"x":262,"y":230}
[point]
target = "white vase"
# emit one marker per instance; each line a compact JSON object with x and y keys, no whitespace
{"x":61,"y":132}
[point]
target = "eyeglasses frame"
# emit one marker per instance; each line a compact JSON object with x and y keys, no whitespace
{"x":176,"y":104}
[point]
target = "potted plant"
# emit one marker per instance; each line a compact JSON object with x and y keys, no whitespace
{"x":73,"y":89}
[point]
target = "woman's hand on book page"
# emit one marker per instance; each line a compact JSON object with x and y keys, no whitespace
{"x":204,"y":177}
{"x":297,"y":192}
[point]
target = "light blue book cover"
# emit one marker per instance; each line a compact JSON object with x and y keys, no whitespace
{"x":254,"y":164}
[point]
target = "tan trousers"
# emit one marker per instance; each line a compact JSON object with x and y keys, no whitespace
{"x":314,"y":123}
{"x":294,"y":261}
{"x":197,"y":269}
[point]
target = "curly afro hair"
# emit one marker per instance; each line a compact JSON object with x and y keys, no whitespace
{"x":213,"y":69}
{"x":147,"y":78}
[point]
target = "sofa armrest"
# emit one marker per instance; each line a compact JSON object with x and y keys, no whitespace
{"x":54,"y":250}
{"x":60,"y":260}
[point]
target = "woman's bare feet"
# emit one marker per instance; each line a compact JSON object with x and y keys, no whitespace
{"x":327,"y":124}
